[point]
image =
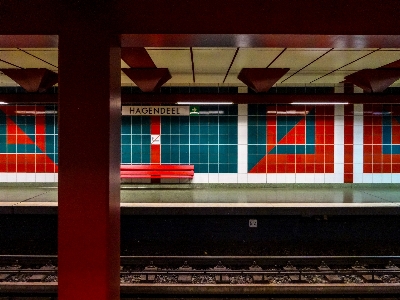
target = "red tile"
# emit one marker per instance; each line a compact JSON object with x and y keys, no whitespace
{"x":271,"y":159}
{"x":30,"y":168}
{"x":386,"y":168}
{"x":281,"y":159}
{"x":348,"y":158}
{"x":310,"y":168}
{"x":329,"y":158}
{"x":40,"y":168}
{"x":12,"y":167}
{"x":300,"y":159}
{"x":396,"y":168}
{"x":396,"y":158}
{"x":281,"y":168}
{"x":368,"y":158}
{"x":329,"y":168}
{"x":367,"y":149}
{"x":387,"y":158}
{"x":319,"y":158}
{"x":376,"y":158}
{"x":376,"y":168}
{"x":290,"y":168}
{"x":348,"y":139}
{"x":367,"y":168}
{"x":319,"y":168}
{"x":319,"y":138}
{"x":300,"y":168}
{"x":348,"y":178}
{"x":271,"y":168}
{"x":367,"y":139}
{"x":348,"y":168}
{"x":291,"y":158}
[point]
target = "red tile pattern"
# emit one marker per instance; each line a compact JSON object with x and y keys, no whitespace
{"x":348,"y":143}
{"x":376,"y":159}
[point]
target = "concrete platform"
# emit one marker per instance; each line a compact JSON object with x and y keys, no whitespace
{"x":222,"y":199}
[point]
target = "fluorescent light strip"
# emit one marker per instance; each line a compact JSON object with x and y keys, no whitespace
{"x":1,"y":103}
{"x":319,"y":103}
{"x":204,"y":103}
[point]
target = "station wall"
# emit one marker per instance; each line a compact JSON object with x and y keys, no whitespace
{"x":255,"y":143}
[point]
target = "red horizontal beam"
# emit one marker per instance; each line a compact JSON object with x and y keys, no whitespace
{"x":235,"y":98}
{"x":314,"y":17}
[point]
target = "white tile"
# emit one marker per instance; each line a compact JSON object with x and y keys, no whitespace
{"x":242,"y":120}
{"x":387,"y":178}
{"x":339,"y":153}
{"x":242,"y":135}
{"x":339,"y":135}
{"x":21,"y":177}
{"x":227,"y":178}
{"x":376,"y":178}
{"x":49,"y":177}
{"x":358,"y":154}
{"x":11,"y":177}
{"x":396,"y":178}
{"x":3,"y":177}
{"x":358,"y":109}
{"x":367,"y":178}
{"x":290,"y":177}
{"x":357,"y":177}
{"x":280,"y":178}
{"x":339,"y":168}
{"x":358,"y":168}
{"x":242,"y":167}
{"x":56,"y":177}
{"x":338,"y":178}
{"x":242,"y":109}
{"x":300,"y":178}
{"x":319,"y":178}
{"x":204,"y":178}
{"x":40,"y":177}
{"x":329,"y":178}
{"x":339,"y":110}
{"x":358,"y":120}
{"x":271,"y":178}
{"x":358,"y":136}
{"x":242,"y":178}
{"x":256,"y":178}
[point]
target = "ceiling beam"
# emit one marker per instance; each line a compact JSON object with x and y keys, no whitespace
{"x":146,"y":98}
{"x":255,"y":23}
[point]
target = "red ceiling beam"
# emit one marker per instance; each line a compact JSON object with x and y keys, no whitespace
{"x":32,"y":80}
{"x":148,"y":79}
{"x":235,"y":98}
{"x":261,"y":79}
{"x":328,"y":17}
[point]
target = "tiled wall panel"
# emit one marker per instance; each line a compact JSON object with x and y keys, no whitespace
{"x":227,"y":144}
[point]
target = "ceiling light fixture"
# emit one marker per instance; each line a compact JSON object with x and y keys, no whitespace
{"x":204,"y":103}
{"x":319,"y":103}
{"x":3,"y":103}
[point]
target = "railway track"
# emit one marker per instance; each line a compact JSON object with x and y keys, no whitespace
{"x":221,"y":276}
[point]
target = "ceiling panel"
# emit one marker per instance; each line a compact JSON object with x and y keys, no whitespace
{"x":124,"y":64}
{"x":6,"y":81}
{"x":49,"y":56}
{"x":295,"y":59}
{"x":212,"y":61}
{"x":335,"y":77}
{"x":22,"y":59}
{"x":177,"y":61}
{"x":254,"y":58}
{"x":232,"y":79}
{"x":374,"y":60}
{"x":301,"y":77}
{"x":181,"y":79}
{"x":209,"y":78}
{"x":336,"y":59}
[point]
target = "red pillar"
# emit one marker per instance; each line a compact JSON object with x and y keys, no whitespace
{"x":89,"y":160}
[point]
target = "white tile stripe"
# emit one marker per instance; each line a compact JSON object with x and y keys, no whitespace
{"x":358,"y":148}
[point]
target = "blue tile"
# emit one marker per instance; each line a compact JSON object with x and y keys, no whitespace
{"x":213,"y":139}
{"x":194,"y":139}
{"x":201,"y":168}
{"x":223,"y":168}
{"x":126,"y":139}
{"x":175,"y":139}
{"x":212,"y":168}
{"x":223,"y":139}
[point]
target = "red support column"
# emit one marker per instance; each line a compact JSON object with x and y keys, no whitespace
{"x":89,"y":164}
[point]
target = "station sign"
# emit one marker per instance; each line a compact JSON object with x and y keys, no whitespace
{"x":155,"y":110}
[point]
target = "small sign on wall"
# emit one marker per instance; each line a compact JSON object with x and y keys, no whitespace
{"x":155,"y":139}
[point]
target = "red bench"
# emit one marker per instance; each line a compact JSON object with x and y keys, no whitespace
{"x":157,"y":171}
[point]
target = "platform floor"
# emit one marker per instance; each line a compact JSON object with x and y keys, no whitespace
{"x":224,"y":200}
